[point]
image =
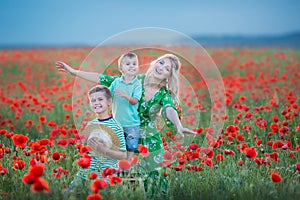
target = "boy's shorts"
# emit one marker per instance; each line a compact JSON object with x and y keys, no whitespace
{"x":132,"y":135}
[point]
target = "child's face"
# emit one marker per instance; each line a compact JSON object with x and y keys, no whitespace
{"x":99,"y":103}
{"x":129,"y":66}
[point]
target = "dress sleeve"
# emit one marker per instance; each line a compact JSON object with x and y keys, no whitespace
{"x":167,"y":101}
{"x":106,"y":80}
{"x":113,"y":87}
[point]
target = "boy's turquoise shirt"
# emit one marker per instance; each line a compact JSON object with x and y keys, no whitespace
{"x":124,"y":112}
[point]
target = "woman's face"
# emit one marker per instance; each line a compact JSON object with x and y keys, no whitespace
{"x":162,"y":69}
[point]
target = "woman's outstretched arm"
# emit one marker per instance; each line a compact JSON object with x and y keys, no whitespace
{"x":173,"y":117}
{"x":90,"y":76}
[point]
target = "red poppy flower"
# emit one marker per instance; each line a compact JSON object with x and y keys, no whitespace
{"x":63,"y":143}
{"x":275,"y":177}
{"x":199,"y":130}
{"x":251,"y":152}
{"x":219,"y":157}
{"x":42,"y":119}
{"x":208,"y":162}
{"x":274,"y":156}
{"x":228,"y":151}
{"x":40,"y":185}
{"x":247,"y":128}
{"x":29,"y":179}
{"x":143,"y":150}
{"x":168,"y":133}
{"x":20,"y":140}
{"x":19,"y":164}
{"x":181,"y":161}
{"x":248,"y":116}
{"x":124,"y":165}
{"x":3,"y":170}
{"x":3,"y":132}
{"x":259,"y":142}
{"x":178,"y":168}
{"x":55,"y":156}
{"x":241,"y":163}
{"x":115,"y":179}
{"x":37,"y":170}
{"x":93,"y":175}
{"x":45,"y":142}
{"x":259,"y":161}
{"x":298,"y":127}
{"x":51,"y":123}
{"x":231,"y":129}
{"x":240,"y":137}
{"x":298,"y":166}
{"x":108,"y":172}
{"x":193,"y":146}
{"x":84,"y":162}
{"x":98,"y":184}
{"x":84,"y":149}
{"x":275,"y":119}
{"x":94,"y":197}
{"x":275,"y":128}
{"x":72,"y":141}
{"x":208,"y":151}
{"x":165,"y":163}
{"x":135,"y":160}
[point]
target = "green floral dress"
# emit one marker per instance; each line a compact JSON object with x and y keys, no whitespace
{"x":149,"y":134}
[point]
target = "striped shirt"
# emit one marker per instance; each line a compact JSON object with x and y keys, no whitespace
{"x":104,"y":162}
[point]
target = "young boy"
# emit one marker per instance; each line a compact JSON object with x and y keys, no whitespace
{"x":126,"y":91}
{"x":100,"y":100}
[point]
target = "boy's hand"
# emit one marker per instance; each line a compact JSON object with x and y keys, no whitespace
{"x":61,"y":66}
{"x":97,"y":146}
{"x":131,"y":100}
{"x":120,"y":93}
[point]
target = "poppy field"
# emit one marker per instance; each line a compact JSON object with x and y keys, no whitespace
{"x":255,"y":155}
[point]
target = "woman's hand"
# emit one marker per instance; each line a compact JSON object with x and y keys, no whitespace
{"x":181,"y":131}
{"x":61,"y":66}
{"x":173,"y":117}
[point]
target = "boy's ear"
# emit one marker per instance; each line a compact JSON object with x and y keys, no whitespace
{"x":109,"y":101}
{"x":120,"y":68}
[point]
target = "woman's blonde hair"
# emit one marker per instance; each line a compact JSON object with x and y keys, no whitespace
{"x":172,"y":83}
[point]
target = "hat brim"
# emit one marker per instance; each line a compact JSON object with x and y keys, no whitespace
{"x":114,"y":139}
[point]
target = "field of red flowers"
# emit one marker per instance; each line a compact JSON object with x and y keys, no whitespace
{"x":256,"y":154}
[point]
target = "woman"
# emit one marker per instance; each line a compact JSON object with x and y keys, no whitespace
{"x":159,"y":92}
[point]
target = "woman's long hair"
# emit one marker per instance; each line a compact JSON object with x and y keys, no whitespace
{"x":172,"y":84}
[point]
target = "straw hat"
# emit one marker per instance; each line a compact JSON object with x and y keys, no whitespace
{"x":104,"y":134}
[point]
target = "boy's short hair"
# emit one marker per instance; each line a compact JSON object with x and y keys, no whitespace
{"x":100,"y":88}
{"x":129,"y":55}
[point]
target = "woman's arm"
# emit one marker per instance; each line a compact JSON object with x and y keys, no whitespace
{"x":99,"y":147}
{"x":173,"y":117}
{"x":90,"y":76}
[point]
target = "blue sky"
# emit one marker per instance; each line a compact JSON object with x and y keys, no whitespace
{"x":72,"y":22}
